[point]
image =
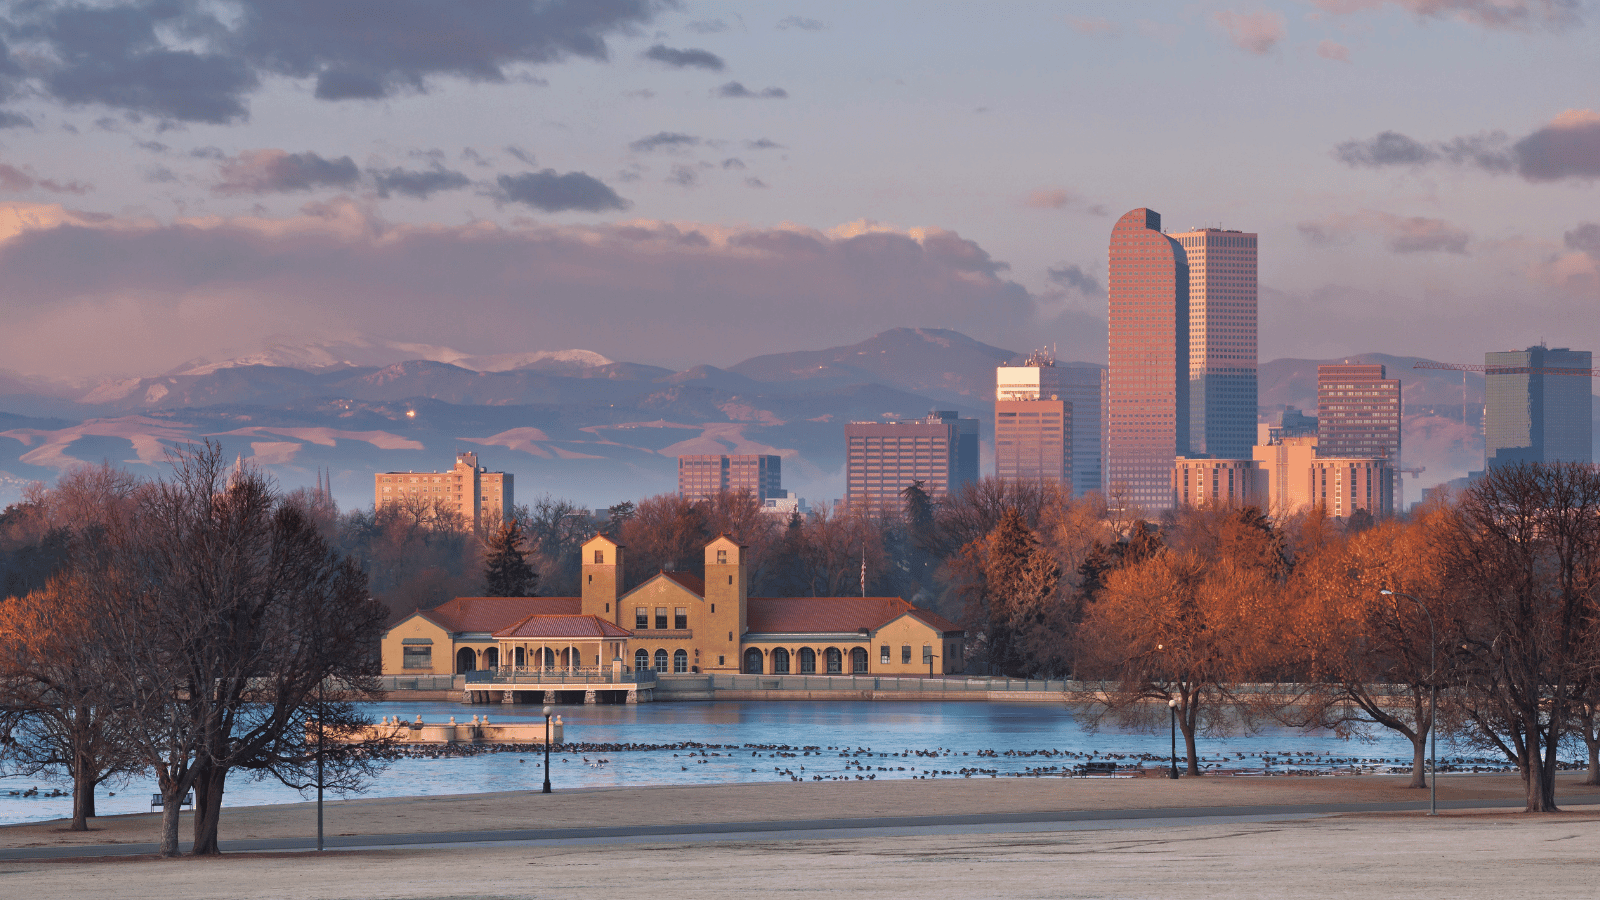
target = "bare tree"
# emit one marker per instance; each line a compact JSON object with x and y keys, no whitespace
{"x":223,"y":613}
{"x":1523,"y":555}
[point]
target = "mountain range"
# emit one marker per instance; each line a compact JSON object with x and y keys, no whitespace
{"x":579,"y":425}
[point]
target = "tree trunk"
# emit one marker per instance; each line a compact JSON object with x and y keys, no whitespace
{"x":1540,"y":778}
{"x":82,"y":789}
{"x":1188,"y":747}
{"x":1419,"y":760}
{"x":1592,"y":741}
{"x":208,"y":810}
{"x":171,"y":803}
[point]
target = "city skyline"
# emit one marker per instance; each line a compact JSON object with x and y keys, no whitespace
{"x":371,"y":189}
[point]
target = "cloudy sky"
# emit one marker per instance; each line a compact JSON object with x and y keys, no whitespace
{"x":677,"y":183}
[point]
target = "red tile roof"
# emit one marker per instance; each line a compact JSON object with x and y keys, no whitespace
{"x":489,"y":614}
{"x":546,"y":626}
{"x":691,"y":582}
{"x":832,"y":615}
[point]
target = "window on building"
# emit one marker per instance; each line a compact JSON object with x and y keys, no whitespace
{"x":661,"y":617}
{"x":905,"y":653}
{"x":780,"y":661}
{"x":599,"y":557}
{"x":641,"y":618}
{"x":680,"y":661}
{"x":883,"y":654}
{"x":927,"y":653}
{"x":661,"y":660}
{"x":808,"y":661}
{"x":833,"y":660}
{"x":641,"y":661}
{"x":416,"y":657}
{"x":680,"y":618}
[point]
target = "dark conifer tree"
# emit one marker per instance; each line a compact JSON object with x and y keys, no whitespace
{"x":506,"y":572}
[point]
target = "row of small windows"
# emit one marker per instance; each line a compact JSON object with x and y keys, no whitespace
{"x":642,"y":661}
{"x":641,"y":618}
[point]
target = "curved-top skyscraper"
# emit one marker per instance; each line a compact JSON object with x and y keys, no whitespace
{"x":1147,"y":418}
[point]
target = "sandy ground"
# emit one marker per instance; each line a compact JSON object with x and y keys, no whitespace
{"x":782,"y":801}
{"x":1499,"y":854}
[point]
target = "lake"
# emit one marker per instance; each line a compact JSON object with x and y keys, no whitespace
{"x":1005,"y":739}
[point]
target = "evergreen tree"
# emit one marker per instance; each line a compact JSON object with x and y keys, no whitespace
{"x":1023,"y":583}
{"x":506,"y":572}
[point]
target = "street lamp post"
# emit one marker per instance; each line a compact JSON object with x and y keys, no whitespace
{"x":547,"y":750}
{"x":1172,"y":719}
{"x":321,"y":711}
{"x":1433,"y":701}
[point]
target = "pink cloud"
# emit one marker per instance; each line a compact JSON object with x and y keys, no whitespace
{"x":1098,"y":25}
{"x":1252,"y":32}
{"x":1497,"y":14}
{"x":1402,"y":234}
{"x":1333,"y":50}
{"x":114,"y":294}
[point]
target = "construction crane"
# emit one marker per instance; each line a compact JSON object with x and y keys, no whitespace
{"x":1400,"y":483}
{"x":1507,"y":370}
{"x":1464,"y":368}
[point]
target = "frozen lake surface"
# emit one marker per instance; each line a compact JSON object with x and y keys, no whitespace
{"x":1006,"y":739}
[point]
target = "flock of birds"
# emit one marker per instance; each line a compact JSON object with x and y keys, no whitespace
{"x":866,"y":764}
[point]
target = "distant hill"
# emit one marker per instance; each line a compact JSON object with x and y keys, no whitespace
{"x":576,"y":424}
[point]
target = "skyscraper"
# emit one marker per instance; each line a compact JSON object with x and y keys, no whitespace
{"x":884,"y":458}
{"x":1147,"y":423}
{"x":1222,"y":342}
{"x":1358,"y":412}
{"x":1033,"y":423}
{"x":1534,"y":416}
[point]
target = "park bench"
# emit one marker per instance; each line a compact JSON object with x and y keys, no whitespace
{"x":1098,"y":768}
{"x":155,"y":801}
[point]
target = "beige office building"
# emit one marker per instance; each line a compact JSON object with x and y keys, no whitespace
{"x":1297,"y":478}
{"x":482,"y":498}
{"x":1285,"y":464}
{"x":1217,"y":482}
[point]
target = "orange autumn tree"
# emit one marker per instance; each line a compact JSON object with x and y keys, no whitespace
{"x":1190,"y":626}
{"x":1365,"y":656}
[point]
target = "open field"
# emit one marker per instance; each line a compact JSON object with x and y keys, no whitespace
{"x":1206,"y":837}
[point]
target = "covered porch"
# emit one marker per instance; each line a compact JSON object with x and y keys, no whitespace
{"x":561,"y":659}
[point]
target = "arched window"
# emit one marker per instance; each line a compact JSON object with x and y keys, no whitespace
{"x":641,"y":661}
{"x":858,"y":660}
{"x":491,"y":658}
{"x":808,"y":661}
{"x":780,"y":661}
{"x":466,"y":660}
{"x":516,"y":657}
{"x":661,"y":660}
{"x":549,"y":657}
{"x":752,"y":661}
{"x":680,"y":661}
{"x":834,"y":660}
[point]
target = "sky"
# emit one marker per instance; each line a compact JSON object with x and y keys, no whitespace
{"x":701,"y":182}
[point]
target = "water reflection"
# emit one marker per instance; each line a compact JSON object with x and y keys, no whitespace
{"x":964,"y":734}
